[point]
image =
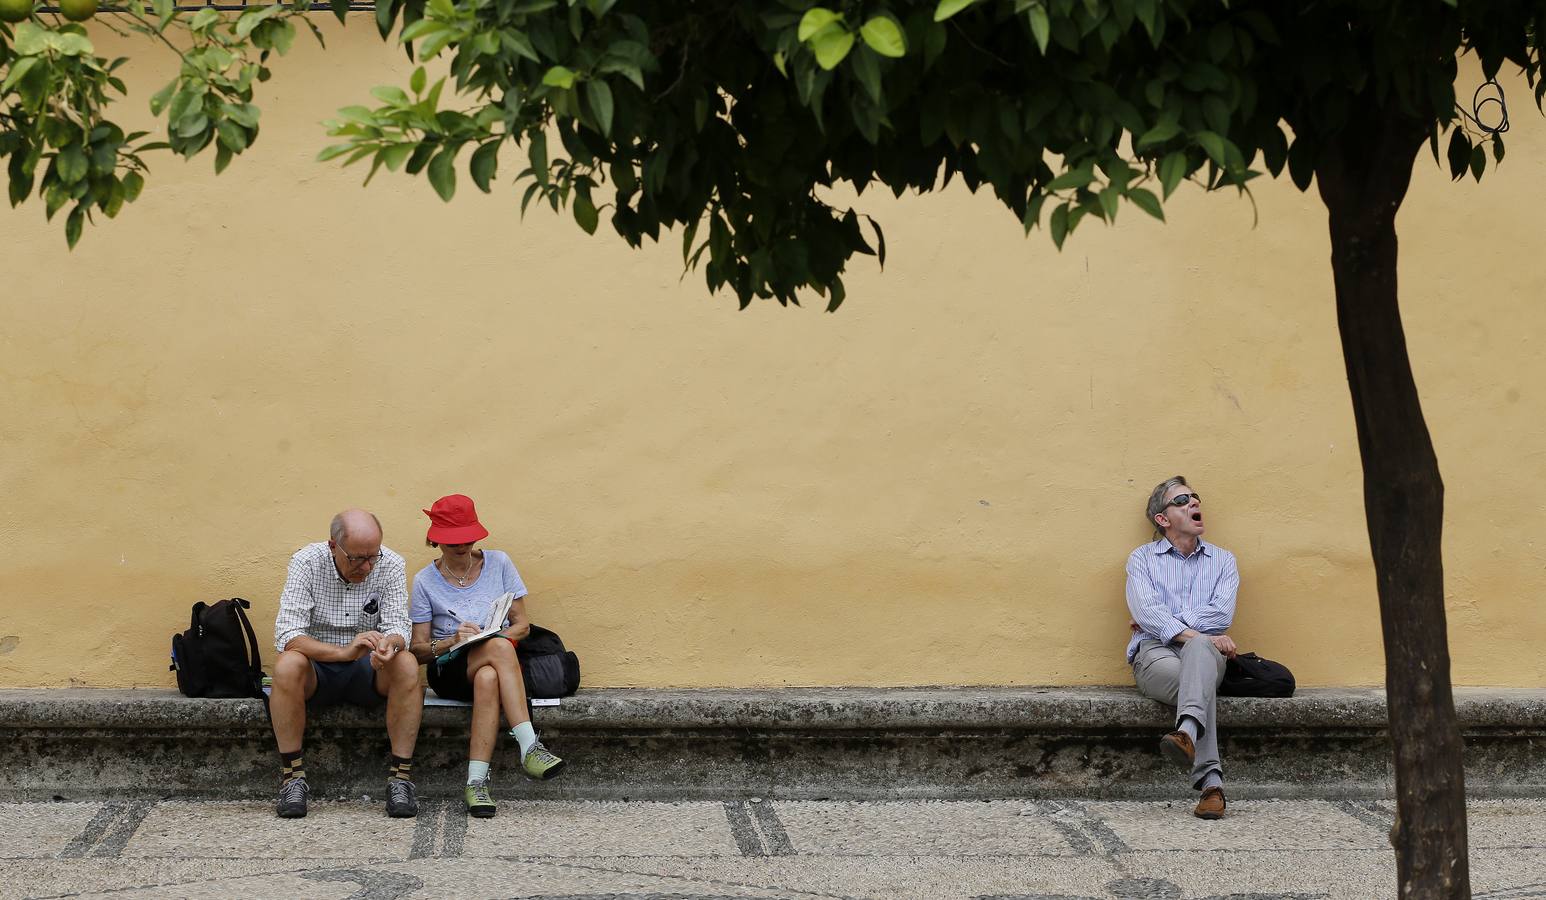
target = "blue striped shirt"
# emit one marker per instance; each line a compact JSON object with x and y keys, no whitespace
{"x":1168,"y":593}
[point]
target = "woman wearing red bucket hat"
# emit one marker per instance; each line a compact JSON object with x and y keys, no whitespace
{"x":451,"y":596}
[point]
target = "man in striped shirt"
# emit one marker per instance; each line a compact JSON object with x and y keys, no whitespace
{"x":342,"y":636}
{"x":1181,"y":593}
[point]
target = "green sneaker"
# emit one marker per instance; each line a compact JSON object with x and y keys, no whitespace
{"x":541,"y":764}
{"x":480,"y":803}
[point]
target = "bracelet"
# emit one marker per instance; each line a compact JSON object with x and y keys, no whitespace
{"x":432,"y":644}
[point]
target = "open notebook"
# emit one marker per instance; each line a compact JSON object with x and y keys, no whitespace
{"x":491,"y":626}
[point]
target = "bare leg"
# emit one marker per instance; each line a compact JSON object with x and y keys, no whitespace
{"x":499,"y":654}
{"x":398,"y":681}
{"x":485,"y":714}
{"x":294,"y":683}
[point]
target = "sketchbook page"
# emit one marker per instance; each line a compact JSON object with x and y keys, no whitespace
{"x":497,"y":612}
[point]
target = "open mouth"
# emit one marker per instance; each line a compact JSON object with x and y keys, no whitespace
{"x":1197,"y":517}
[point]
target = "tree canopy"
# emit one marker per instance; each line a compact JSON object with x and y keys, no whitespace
{"x":728,"y":120}
{"x":731,"y":121}
{"x":56,"y":94}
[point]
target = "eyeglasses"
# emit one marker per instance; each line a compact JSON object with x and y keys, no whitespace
{"x":361,"y":560}
{"x":1184,"y":499}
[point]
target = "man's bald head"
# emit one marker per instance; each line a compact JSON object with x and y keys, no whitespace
{"x":355,"y":523}
{"x":356,"y":544}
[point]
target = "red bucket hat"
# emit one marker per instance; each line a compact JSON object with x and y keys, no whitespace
{"x":454,"y":520}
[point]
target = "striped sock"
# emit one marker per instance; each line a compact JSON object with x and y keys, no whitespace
{"x":402,"y":767}
{"x":291,"y":766}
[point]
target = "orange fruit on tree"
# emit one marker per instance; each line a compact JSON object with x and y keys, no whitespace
{"x":15,"y":10}
{"x":78,"y":10}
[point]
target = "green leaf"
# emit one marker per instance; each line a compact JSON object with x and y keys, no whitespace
{"x":1159,"y":134}
{"x":232,"y":135}
{"x":1058,"y":226}
{"x":133,"y":183}
{"x":393,"y":157}
{"x":538,"y":153}
{"x":334,"y":152}
{"x":585,"y":211}
{"x":391,"y":96}
{"x":866,"y":66}
{"x":831,"y":47}
{"x":599,"y":98}
{"x":205,"y":18}
{"x":72,"y":164}
{"x":442,"y":173}
{"x":159,"y":98}
{"x":1041,"y":26}
{"x":1211,"y":144}
{"x":1110,"y":200}
{"x":1147,"y":202}
{"x":884,"y":36}
{"x":19,"y":68}
{"x":948,"y":8}
{"x":1074,"y":178}
{"x":484,"y":162}
{"x":192,"y":125}
{"x":814,"y":21}
{"x":559,"y":77}
{"x":1459,"y":154}
{"x":72,"y":226}
{"x":416,"y":81}
{"x":1171,"y":170}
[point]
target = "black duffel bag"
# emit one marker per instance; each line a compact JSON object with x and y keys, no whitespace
{"x":218,"y":655}
{"x":1248,"y":675}
{"x":548,"y":669}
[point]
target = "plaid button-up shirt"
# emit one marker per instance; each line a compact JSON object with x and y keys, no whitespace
{"x":318,"y":602}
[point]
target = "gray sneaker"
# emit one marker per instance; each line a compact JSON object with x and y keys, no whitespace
{"x":292,"y":799}
{"x":402,"y":799}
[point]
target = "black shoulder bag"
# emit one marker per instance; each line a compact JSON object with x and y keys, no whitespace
{"x":1248,"y":675}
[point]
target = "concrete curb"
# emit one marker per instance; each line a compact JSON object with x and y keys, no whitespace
{"x":795,"y":743}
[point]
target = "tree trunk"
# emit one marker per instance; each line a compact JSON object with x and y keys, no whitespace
{"x":1362,"y":181}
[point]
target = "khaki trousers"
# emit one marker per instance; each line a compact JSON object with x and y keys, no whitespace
{"x":1187,"y":677}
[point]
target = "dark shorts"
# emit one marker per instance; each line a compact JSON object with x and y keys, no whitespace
{"x":345,"y":682}
{"x":450,"y":681}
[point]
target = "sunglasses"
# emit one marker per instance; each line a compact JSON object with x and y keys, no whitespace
{"x":1184,"y":499}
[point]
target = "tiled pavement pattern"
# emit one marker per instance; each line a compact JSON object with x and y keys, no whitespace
{"x":1028,"y":850}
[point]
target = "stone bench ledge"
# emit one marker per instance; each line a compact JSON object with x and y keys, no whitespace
{"x":1053,"y":709}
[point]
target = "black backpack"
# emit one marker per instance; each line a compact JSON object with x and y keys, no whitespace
{"x":1248,"y":675}
{"x":218,"y":655}
{"x":548,"y":669}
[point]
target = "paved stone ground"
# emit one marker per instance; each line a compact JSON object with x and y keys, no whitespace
{"x":1264,"y":850}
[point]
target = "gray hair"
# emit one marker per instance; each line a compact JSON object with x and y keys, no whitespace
{"x":338,"y":530}
{"x":1157,"y":499}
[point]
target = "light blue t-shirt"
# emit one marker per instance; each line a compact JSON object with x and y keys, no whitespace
{"x":446,"y":606}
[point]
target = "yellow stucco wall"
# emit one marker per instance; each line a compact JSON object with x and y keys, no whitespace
{"x":938,"y":484}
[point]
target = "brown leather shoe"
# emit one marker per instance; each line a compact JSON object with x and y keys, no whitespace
{"x":1211,"y":806}
{"x":1177,"y":747}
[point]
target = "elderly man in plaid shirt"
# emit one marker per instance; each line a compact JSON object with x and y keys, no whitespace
{"x":342,"y":636}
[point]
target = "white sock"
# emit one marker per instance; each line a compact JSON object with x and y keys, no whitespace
{"x":1188,"y":725}
{"x":477,"y":770}
{"x":526,"y":735}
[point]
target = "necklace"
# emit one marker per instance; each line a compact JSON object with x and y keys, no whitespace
{"x":461,"y":580}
